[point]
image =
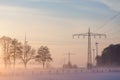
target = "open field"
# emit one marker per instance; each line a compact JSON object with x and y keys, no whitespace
{"x":78,"y":74}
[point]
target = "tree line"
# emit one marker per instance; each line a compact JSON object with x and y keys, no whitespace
{"x":110,"y":56}
{"x":14,"y":50}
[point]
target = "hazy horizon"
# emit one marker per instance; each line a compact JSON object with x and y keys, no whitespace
{"x":53,"y":22}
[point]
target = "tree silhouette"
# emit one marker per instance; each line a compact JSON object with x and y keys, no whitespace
{"x":16,"y":50}
{"x":27,"y":54}
{"x":5,"y":45}
{"x":110,"y":56}
{"x":99,"y":60}
{"x":43,"y":55}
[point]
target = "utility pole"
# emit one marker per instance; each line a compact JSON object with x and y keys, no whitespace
{"x":93,"y":56}
{"x":25,"y":44}
{"x":89,"y":34}
{"x":69,"y":59}
{"x":96,"y":48}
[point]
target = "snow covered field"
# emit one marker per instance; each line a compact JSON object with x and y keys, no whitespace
{"x":60,"y":74}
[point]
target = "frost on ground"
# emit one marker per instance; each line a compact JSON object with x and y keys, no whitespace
{"x":60,"y":74}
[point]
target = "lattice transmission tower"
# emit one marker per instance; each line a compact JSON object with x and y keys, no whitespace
{"x":89,"y":34}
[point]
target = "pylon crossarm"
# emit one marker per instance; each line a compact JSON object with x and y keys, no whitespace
{"x":96,"y":34}
{"x":83,"y":34}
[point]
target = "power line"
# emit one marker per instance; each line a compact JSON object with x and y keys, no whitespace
{"x":116,"y":29}
{"x":112,"y":29}
{"x":108,"y":21}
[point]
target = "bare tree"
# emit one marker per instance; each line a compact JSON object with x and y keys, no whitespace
{"x":15,"y":50}
{"x":43,"y":55}
{"x":5,"y":45}
{"x":27,"y":55}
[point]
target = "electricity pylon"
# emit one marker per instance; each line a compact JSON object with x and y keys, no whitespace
{"x":89,"y":34}
{"x":69,"y":59}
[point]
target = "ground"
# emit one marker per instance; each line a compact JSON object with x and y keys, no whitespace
{"x":77,"y":74}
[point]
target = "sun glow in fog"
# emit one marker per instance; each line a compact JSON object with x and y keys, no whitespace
{"x":52,"y":25}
